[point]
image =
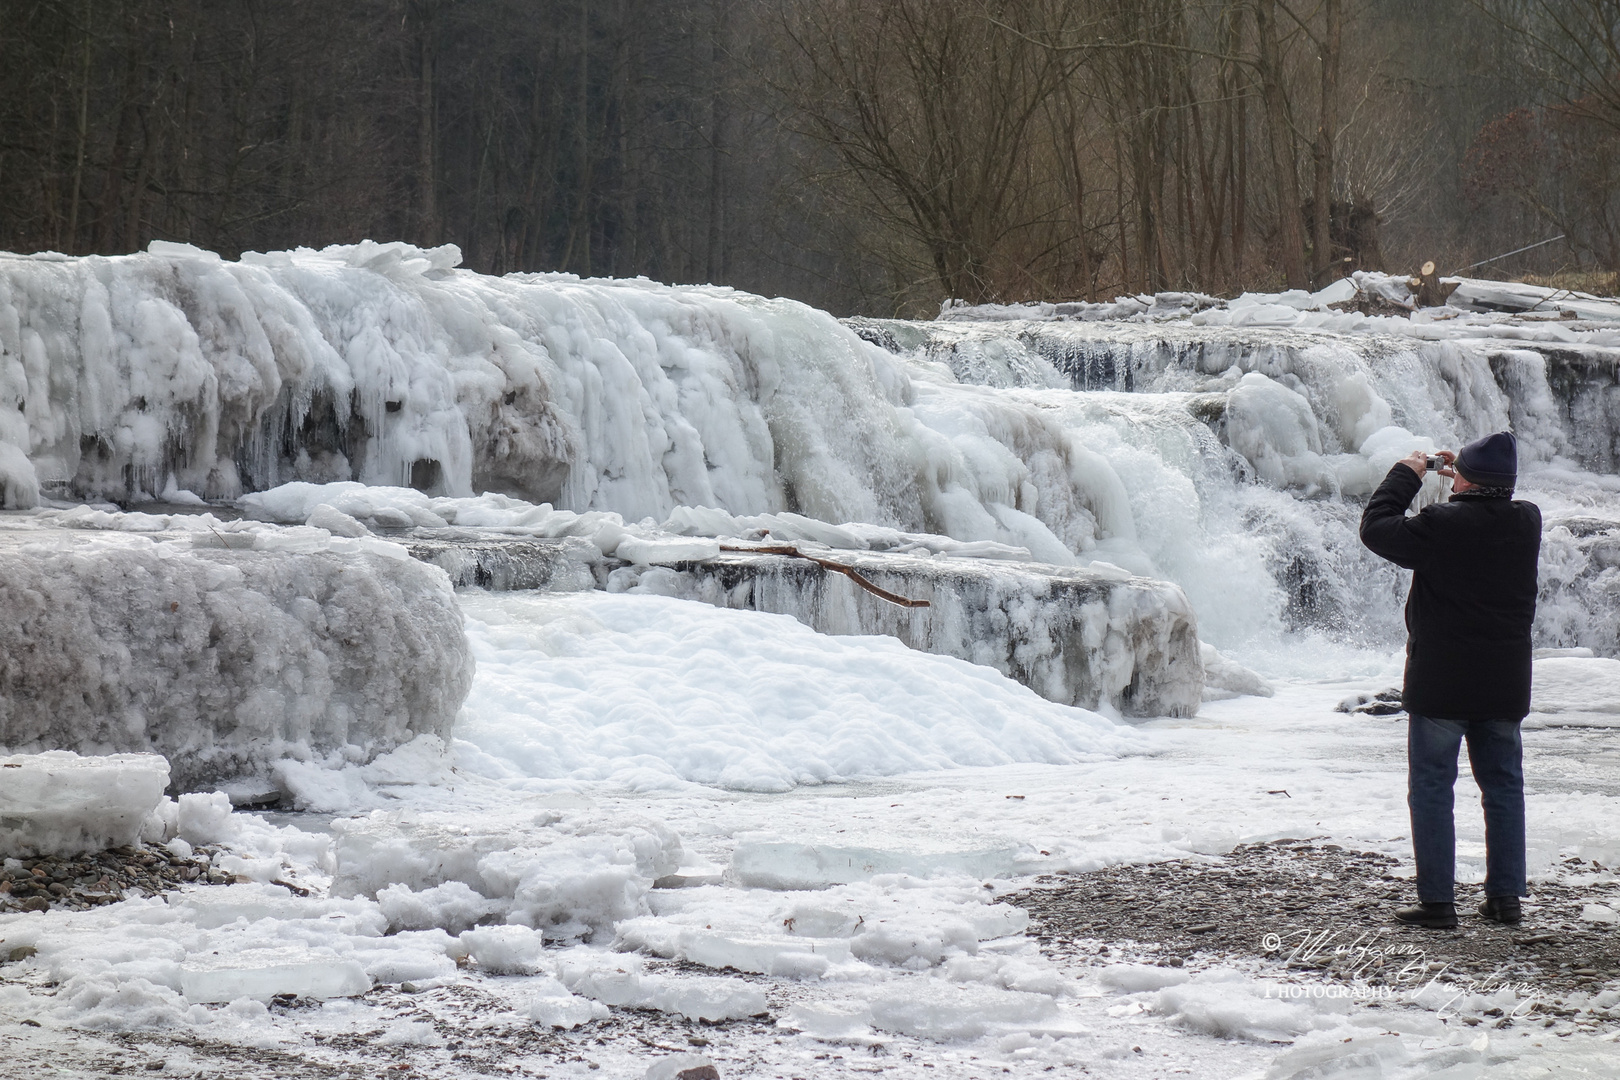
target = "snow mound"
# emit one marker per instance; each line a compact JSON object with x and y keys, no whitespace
{"x":59,"y":803}
{"x":651,"y":691}
{"x":221,"y":658}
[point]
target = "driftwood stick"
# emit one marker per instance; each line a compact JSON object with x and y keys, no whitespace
{"x":836,"y":567}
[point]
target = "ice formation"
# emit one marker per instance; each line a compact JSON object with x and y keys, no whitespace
{"x":224,"y":648}
{"x":1219,"y":445}
{"x":58,"y":803}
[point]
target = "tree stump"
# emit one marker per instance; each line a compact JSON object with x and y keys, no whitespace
{"x":1427,"y":288}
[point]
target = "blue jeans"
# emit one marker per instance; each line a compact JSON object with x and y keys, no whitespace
{"x":1496,"y":754}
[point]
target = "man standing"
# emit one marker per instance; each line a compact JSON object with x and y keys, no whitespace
{"x":1468,"y":622}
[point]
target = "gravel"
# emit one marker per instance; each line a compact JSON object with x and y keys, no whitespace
{"x":1322,"y":910}
{"x":78,"y":882}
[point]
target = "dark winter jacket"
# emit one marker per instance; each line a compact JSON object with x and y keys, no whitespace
{"x":1473,"y":596}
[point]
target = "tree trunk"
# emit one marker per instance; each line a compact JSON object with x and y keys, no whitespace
{"x":1290,"y":230}
{"x":1322,"y":153}
{"x":427,"y":156}
{"x":83,"y":137}
{"x":579,"y":241}
{"x":718,"y":115}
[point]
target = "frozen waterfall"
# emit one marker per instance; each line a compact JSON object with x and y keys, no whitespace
{"x":1224,"y":447}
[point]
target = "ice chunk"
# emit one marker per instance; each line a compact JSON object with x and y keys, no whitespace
{"x":1135,"y":978}
{"x":682,"y":1067}
{"x":696,"y":997}
{"x":453,"y":906}
{"x":567,"y":876}
{"x":325,"y":516}
{"x":665,"y":551}
{"x":263,"y":973}
{"x":782,"y":865}
{"x":506,"y":950}
{"x":1599,"y":913}
{"x":58,"y":803}
{"x":933,"y":1009}
{"x":829,"y":1020}
{"x":788,"y":956}
{"x":1226,"y":678}
{"x":1243,"y":1010}
{"x":553,"y":1006}
{"x":221,"y":659}
{"x":205,"y":818}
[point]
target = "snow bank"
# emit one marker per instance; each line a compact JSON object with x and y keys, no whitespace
{"x":651,"y":691}
{"x":59,"y":803}
{"x":223,"y":650}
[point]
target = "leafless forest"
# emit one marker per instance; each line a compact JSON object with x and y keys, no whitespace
{"x":863,"y":155}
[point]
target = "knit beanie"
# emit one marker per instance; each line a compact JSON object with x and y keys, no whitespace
{"x":1491,"y":462}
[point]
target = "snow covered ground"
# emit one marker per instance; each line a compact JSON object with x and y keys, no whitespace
{"x":816,"y":829}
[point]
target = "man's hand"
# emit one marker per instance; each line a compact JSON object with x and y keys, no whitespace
{"x":1418,"y":462}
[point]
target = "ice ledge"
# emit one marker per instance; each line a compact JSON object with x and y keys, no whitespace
{"x":1099,"y":639}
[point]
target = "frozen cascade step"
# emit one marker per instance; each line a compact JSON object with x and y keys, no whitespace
{"x":58,"y":803}
{"x":223,"y":651}
{"x":1077,"y":636}
{"x":507,"y":563}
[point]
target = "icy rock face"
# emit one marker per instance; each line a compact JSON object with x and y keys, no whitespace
{"x":1087,"y":637}
{"x":58,"y":803}
{"x":221,"y":659}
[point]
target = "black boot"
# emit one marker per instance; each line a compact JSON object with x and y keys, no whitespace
{"x":1433,"y":916}
{"x":1502,"y":909}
